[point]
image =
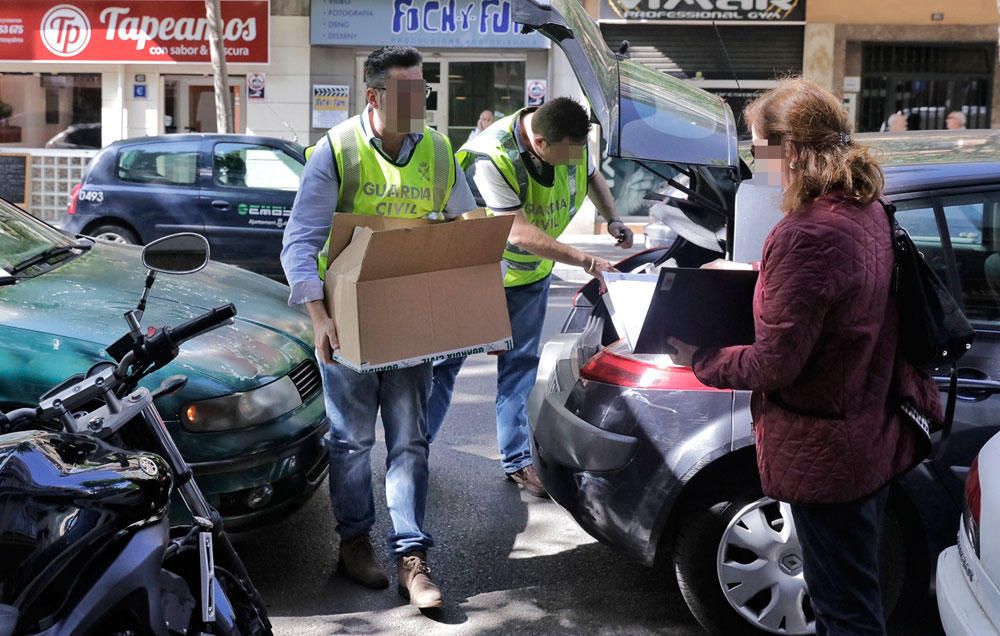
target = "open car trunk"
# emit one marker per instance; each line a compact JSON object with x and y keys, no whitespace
{"x":677,"y":131}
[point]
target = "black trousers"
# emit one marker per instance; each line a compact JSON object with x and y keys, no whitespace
{"x":840,"y":564}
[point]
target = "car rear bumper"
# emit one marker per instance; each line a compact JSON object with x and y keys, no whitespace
{"x":558,"y":434}
{"x":614,"y":457}
{"x":958,"y":602}
{"x":564,"y":438}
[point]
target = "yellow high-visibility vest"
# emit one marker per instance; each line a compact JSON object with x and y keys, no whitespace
{"x":371,"y":183}
{"x":549,"y":208}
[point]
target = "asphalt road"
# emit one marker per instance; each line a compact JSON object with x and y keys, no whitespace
{"x":508,"y":563}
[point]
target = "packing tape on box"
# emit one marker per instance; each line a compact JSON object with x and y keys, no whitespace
{"x":500,"y":345}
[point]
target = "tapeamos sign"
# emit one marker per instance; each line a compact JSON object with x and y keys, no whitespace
{"x":708,"y":10}
{"x":157,"y":31}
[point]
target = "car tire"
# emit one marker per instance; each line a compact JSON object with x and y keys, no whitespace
{"x":704,"y":546}
{"x":113,"y":233}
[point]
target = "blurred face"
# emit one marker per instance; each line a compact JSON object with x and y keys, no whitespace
{"x":769,"y":160}
{"x":399,"y":105}
{"x":563,"y":153}
{"x":485,"y":119}
{"x":897,"y":124}
{"x":953,"y":122}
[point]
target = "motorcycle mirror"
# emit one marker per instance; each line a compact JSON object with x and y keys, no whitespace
{"x":184,"y":253}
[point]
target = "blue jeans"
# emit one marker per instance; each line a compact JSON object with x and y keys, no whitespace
{"x":353,"y":401}
{"x":516,"y":371}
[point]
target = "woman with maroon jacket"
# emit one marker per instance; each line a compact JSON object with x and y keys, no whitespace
{"x":824,"y":369}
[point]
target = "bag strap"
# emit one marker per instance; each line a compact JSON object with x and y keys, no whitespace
{"x":949,"y":413}
{"x":890,"y":211}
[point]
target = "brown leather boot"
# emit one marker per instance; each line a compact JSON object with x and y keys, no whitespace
{"x":527,"y":478}
{"x":357,"y":561}
{"x":415,"y":581}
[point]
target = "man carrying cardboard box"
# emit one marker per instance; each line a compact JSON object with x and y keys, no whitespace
{"x":385,"y":161}
{"x":534,"y":165}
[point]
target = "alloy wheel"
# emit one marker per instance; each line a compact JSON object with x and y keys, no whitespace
{"x":760,"y":569}
{"x":112,"y":237}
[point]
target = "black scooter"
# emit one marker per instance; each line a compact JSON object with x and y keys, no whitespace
{"x":85,"y":484}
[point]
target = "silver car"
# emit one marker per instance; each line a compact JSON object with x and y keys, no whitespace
{"x":657,"y":465}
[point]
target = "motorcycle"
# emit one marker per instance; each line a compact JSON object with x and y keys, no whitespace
{"x":86,"y":478}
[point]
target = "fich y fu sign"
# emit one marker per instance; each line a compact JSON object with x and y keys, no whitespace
{"x":149,"y":31}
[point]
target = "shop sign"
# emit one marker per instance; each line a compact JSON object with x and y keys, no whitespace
{"x":420,"y":23}
{"x":329,"y":104}
{"x":147,"y":31}
{"x":707,"y":10}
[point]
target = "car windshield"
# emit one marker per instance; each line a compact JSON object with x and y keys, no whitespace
{"x":23,"y":236}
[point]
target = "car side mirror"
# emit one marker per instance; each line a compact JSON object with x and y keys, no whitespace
{"x":184,"y":253}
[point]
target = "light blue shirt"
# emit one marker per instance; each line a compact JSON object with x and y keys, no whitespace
{"x":317,"y":199}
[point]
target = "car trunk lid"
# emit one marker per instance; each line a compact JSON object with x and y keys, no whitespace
{"x":678,"y":131}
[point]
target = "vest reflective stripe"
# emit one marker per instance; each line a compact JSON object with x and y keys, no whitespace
{"x":372,"y":184}
{"x":549,"y":208}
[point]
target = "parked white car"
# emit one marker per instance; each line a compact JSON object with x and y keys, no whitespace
{"x":968,"y":574}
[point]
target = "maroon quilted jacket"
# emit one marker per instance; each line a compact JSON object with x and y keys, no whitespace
{"x":823,"y":367}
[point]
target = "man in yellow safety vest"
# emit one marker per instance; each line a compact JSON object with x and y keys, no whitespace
{"x":385,"y":161}
{"x":533,"y":164}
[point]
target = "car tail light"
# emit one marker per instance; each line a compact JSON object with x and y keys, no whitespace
{"x":618,"y":366}
{"x":973,"y":506}
{"x":74,"y":196}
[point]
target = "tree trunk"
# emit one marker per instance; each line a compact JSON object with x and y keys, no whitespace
{"x":223,"y":103}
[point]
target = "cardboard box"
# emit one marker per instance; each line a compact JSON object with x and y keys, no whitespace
{"x":404,"y":292}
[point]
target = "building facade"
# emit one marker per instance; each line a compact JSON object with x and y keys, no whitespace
{"x":88,"y":72}
{"x":922,"y":58}
{"x":475,"y":59}
{"x":733,"y":48}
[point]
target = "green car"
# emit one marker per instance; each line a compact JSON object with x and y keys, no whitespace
{"x":250,"y":420}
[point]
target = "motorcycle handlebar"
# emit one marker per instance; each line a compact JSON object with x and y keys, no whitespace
{"x":159,"y":350}
{"x":163,"y":347}
{"x":205,"y":322}
{"x":13,"y":418}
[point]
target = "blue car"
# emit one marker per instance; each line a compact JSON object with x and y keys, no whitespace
{"x":236,"y":190}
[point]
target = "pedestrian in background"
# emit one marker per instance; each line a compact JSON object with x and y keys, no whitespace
{"x":824,"y":369}
{"x":955,"y":120}
{"x":897,"y":122}
{"x":389,"y":142}
{"x":486,"y":119}
{"x":533,"y":165}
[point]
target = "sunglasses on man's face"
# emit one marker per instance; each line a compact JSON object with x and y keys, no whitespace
{"x":427,"y":90}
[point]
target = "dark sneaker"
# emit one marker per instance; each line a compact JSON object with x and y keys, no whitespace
{"x":415,"y":581}
{"x":357,"y":561}
{"x":527,"y":478}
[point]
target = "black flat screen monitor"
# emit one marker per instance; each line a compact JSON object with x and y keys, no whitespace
{"x":703,"y":307}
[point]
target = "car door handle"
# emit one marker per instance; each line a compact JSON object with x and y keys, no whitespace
{"x":971,"y":389}
{"x":219,"y":204}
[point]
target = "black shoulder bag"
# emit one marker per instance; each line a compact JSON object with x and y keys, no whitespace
{"x":933,"y":330}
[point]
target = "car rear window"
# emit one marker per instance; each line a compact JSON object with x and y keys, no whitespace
{"x":168,"y":164}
